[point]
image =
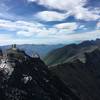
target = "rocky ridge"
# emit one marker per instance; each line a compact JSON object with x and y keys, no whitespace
{"x":26,"y":78}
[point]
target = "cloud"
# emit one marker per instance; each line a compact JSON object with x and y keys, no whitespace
{"x":64,"y":38}
{"x":85,"y":14}
{"x":3,"y":6}
{"x":8,"y":41}
{"x":35,"y":32}
{"x":61,"y":4}
{"x":98,"y":25}
{"x":21,"y":27}
{"x":8,"y":10}
{"x":69,"y":26}
{"x":71,"y":8}
{"x":28,"y":29}
{"x":66,"y":28}
{"x":81,"y":26}
{"x":31,"y":0}
{"x":72,"y":38}
{"x":51,"y":16}
{"x":4,"y":38}
{"x":24,"y":33}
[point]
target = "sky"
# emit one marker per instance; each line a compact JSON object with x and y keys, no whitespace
{"x":49,"y":21}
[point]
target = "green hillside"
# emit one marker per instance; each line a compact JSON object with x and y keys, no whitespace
{"x":71,"y":52}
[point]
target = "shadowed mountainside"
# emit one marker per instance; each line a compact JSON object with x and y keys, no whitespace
{"x":25,"y":78}
{"x":83,"y":78}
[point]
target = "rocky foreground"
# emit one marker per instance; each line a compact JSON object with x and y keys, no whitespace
{"x":27,"y":78}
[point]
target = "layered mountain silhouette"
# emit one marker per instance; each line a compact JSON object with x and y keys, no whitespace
{"x":71,"y":52}
{"x":27,"y":78}
{"x":30,"y":48}
{"x":78,"y":66}
{"x":83,"y":78}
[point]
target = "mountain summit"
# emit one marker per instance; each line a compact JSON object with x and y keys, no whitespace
{"x":27,"y":78}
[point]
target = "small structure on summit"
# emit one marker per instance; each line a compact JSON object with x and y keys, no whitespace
{"x":15,"y":53}
{"x":14,"y":47}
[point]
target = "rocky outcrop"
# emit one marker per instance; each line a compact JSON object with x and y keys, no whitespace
{"x":25,"y":78}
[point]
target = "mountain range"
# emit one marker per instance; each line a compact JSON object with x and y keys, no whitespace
{"x":71,"y":72}
{"x":78,"y":66}
{"x":71,"y":52}
{"x":30,"y":49}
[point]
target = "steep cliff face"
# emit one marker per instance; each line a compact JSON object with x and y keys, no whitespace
{"x":83,"y":78}
{"x":25,"y":78}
